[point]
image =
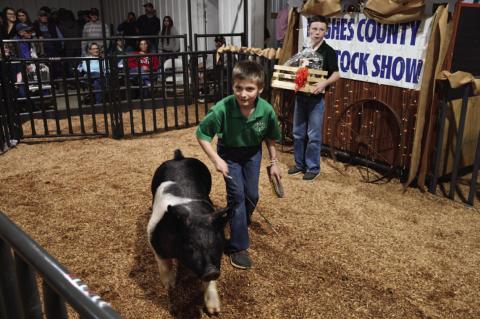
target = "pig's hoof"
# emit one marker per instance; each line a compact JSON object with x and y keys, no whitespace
{"x":212,"y":304}
{"x":213,"y":310}
{"x":168,"y":282}
{"x":171,"y":283}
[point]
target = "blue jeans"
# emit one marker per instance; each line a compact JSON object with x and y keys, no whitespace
{"x":242,"y":190}
{"x":96,"y":86}
{"x":307,"y":132}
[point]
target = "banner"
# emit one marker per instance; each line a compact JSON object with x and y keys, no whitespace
{"x":390,"y":54}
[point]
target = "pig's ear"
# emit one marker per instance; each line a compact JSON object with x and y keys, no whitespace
{"x":181,"y":214}
{"x":222,"y":216}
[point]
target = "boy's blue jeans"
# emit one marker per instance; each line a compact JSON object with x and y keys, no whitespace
{"x":307,"y":131}
{"x":242,"y":190}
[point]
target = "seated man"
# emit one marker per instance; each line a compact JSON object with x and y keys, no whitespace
{"x":93,"y":66}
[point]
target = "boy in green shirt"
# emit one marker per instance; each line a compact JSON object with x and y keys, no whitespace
{"x":241,"y":121}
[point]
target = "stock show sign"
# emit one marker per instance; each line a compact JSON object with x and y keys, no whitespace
{"x":390,"y":54}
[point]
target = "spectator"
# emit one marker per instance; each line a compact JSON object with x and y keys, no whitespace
{"x":9,"y":51}
{"x":23,"y":17}
{"x":129,"y":28}
{"x":169,"y":44}
{"x":10,"y":19}
{"x":212,"y":73}
{"x":93,"y":66}
{"x":83,"y":18}
{"x":70,"y":29}
{"x":149,"y":24}
{"x":219,"y":43}
{"x":143,"y":65}
{"x":24,"y":50}
{"x":46,"y":9}
{"x":45,"y":28}
{"x":116,"y":50}
{"x":93,"y":29}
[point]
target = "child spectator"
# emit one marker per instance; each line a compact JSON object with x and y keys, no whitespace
{"x":169,"y":44}
{"x":242,"y":121}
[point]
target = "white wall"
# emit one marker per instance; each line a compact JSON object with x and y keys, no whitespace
{"x":230,"y":18}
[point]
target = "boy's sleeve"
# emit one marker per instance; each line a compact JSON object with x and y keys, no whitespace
{"x":210,"y":126}
{"x":332,"y":62}
{"x":273,"y":130}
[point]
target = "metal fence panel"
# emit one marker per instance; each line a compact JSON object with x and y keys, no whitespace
{"x":30,"y":257}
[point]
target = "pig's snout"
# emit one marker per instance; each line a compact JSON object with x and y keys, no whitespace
{"x":211,"y":273}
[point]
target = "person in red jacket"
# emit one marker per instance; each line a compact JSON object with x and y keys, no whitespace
{"x":143,"y":67}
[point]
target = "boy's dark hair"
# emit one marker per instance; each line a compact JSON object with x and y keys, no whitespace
{"x":249,"y":70}
{"x":318,"y":19}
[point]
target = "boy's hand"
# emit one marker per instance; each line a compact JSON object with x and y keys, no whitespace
{"x":221,"y":166}
{"x":319,"y":87}
{"x":275,"y":172}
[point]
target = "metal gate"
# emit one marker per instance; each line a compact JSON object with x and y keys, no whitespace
{"x":113,"y":95}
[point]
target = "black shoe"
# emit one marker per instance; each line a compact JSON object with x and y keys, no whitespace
{"x":241,"y":259}
{"x":294,"y":171}
{"x":309,"y":176}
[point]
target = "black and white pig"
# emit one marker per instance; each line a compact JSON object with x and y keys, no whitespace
{"x":185,"y":226}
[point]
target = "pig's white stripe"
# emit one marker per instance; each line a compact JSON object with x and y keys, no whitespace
{"x":160,"y":204}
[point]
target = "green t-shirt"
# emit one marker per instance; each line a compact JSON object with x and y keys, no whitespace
{"x":234,"y":129}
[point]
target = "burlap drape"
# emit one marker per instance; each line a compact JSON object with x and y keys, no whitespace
{"x":321,"y":7}
{"x":426,"y":111}
{"x":471,"y":129}
{"x":394,"y":11}
{"x":289,"y":48}
{"x":459,"y":79}
{"x":269,"y":53}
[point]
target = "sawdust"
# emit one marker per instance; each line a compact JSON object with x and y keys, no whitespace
{"x":344,"y":249}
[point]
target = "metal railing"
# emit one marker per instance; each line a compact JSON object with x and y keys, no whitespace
{"x":117,"y":101}
{"x":21,"y":259}
{"x":440,"y":175}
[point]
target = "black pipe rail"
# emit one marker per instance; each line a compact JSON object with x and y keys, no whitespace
{"x":198,"y":36}
{"x":178,"y":85}
{"x":458,"y":170}
{"x":20,"y":259}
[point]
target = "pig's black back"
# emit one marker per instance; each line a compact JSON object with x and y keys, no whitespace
{"x":190,"y":175}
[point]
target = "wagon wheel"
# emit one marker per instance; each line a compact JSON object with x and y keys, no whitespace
{"x":368,"y":132}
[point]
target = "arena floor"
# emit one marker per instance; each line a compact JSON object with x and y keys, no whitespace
{"x":344,"y":248}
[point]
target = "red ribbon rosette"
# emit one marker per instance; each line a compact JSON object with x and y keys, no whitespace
{"x":301,"y":78}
